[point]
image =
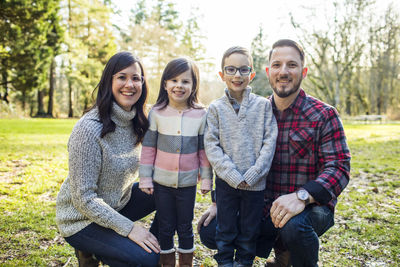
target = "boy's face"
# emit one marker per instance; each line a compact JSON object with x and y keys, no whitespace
{"x":237,"y":82}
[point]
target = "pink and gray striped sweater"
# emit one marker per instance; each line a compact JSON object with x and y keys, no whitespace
{"x":173,"y":149}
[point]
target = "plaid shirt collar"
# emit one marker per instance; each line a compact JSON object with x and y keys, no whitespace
{"x":296,"y":107}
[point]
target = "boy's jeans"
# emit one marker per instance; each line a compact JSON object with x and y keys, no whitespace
{"x":112,"y":248}
{"x":175,"y":212}
{"x":300,"y":235}
{"x":232,"y":234}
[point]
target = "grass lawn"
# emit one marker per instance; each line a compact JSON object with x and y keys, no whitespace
{"x":33,"y":165}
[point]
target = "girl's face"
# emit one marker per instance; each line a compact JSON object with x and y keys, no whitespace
{"x":179,"y":89}
{"x":127,"y":86}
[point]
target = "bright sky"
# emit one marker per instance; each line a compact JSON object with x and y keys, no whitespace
{"x":236,"y":22}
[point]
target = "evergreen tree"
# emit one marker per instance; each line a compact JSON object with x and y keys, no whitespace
{"x":259,"y":52}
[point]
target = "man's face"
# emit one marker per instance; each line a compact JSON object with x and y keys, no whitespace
{"x":286,"y":71}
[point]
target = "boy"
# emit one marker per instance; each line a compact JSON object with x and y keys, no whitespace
{"x":239,"y":142}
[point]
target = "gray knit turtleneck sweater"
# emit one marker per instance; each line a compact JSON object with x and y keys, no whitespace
{"x":101,"y":174}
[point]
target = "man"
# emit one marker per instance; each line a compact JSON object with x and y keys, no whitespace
{"x":310,"y":168}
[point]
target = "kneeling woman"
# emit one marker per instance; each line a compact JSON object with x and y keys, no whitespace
{"x":99,"y":201}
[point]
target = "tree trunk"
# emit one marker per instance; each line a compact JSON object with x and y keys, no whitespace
{"x":5,"y":96}
{"x":23,"y":100}
{"x":40,"y":111}
{"x":51,"y":90}
{"x":337,"y":85}
{"x":70,"y":110}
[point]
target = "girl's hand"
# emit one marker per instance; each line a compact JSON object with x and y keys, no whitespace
{"x":144,"y":238}
{"x":204,"y":191}
{"x":148,"y":191}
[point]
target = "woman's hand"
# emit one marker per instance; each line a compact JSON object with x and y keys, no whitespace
{"x":144,"y":238}
{"x":148,"y":191}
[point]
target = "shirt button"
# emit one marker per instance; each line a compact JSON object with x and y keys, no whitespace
{"x":179,"y":132}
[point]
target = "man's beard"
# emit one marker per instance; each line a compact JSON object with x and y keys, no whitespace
{"x":283,"y":93}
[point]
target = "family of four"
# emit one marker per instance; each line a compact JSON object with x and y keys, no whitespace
{"x":279,"y":163}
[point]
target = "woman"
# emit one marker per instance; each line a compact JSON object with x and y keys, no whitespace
{"x":98,"y":202}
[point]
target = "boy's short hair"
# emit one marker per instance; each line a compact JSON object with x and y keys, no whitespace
{"x":289,"y":43}
{"x":239,"y":50}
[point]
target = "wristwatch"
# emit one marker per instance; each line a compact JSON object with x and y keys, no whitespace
{"x":303,"y":195}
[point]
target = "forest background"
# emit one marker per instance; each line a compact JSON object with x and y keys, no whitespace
{"x":52,"y":52}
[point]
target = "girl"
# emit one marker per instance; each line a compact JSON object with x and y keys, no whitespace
{"x":98,"y":202}
{"x":173,"y":158}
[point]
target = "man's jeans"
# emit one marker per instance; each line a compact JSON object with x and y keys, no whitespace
{"x":233,"y":232}
{"x":299,"y":235}
{"x":175,"y":212}
{"x":114,"y":249}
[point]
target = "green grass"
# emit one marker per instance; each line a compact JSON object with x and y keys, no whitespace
{"x":33,"y":164}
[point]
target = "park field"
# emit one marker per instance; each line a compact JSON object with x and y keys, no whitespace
{"x":34,"y":163}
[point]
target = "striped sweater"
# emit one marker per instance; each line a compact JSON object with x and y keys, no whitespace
{"x":173,"y":149}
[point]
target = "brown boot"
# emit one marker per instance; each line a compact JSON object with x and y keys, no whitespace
{"x":282,"y":259}
{"x":86,"y":259}
{"x":186,"y":259}
{"x":167,"y":260}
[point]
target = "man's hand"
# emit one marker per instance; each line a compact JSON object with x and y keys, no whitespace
{"x":148,"y":191}
{"x":284,"y":208}
{"x":207,"y":216}
{"x":144,"y":238}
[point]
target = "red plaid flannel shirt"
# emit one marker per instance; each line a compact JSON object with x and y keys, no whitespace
{"x":311,"y":152}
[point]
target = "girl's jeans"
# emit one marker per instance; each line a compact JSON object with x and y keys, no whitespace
{"x":175,"y":213}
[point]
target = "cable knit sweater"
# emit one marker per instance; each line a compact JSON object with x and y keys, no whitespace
{"x":101,"y":174}
{"x":240,"y":147}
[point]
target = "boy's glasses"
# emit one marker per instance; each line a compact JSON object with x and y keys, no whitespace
{"x":243,"y":70}
{"x":123,"y":79}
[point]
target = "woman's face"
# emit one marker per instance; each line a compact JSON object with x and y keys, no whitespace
{"x":127,"y":86}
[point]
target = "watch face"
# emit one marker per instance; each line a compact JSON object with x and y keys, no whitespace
{"x":302,"y":194}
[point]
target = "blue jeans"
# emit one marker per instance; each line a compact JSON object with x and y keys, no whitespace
{"x":233,"y":231}
{"x":114,"y":249}
{"x":175,"y":212}
{"x":299,"y":235}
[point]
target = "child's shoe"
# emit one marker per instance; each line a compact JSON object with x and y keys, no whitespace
{"x":167,"y":260}
{"x":185,"y":259}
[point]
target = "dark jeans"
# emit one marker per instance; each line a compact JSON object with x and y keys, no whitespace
{"x":175,"y":211}
{"x":299,"y":235}
{"x":114,"y":249}
{"x":233,"y":232}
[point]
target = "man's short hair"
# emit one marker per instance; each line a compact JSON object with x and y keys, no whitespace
{"x":239,"y":50}
{"x":290,"y":43}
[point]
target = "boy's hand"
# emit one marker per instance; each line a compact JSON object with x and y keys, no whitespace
{"x":243,"y":184}
{"x":148,"y":191}
{"x":204,"y":191}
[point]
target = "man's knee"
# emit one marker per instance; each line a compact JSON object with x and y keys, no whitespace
{"x":207,"y":235}
{"x":295,"y":230}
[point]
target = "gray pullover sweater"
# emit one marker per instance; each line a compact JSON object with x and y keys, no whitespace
{"x":240,"y":147}
{"x":101,"y":174}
